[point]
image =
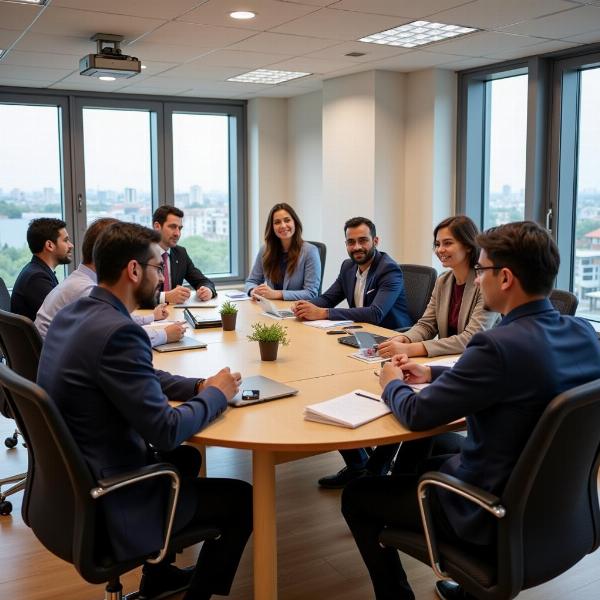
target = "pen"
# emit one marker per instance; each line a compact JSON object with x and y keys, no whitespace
{"x":366,"y":396}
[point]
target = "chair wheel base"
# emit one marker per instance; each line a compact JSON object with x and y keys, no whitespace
{"x":5,"y":508}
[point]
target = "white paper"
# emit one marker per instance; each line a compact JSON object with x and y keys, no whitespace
{"x":326,"y":323}
{"x":196,"y":303}
{"x":444,"y":362}
{"x":236,"y":295}
{"x":278,"y":318}
{"x":368,"y":359}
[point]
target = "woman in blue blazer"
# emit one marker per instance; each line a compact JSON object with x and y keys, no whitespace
{"x":286,"y":267}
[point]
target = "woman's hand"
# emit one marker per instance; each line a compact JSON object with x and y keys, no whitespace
{"x":266,"y":292}
{"x":396,"y":345}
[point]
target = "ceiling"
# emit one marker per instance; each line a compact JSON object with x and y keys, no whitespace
{"x":191,"y":47}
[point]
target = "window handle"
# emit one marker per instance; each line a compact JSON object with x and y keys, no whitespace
{"x":79,"y":202}
{"x":549,"y":216}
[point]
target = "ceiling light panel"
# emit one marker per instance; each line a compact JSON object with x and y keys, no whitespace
{"x":242,"y":14}
{"x":268,"y":76}
{"x":417,"y":33}
{"x":38,"y":2}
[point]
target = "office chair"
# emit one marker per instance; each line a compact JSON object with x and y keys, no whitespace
{"x":62,"y":502}
{"x":418,"y":285}
{"x":547,"y":517}
{"x":564,"y":302}
{"x":322,"y":248}
{"x":20,"y":345}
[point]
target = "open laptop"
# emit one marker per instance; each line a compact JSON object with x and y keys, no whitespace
{"x":257,"y":389}
{"x":185,"y":343}
{"x":351,"y":340}
{"x":270,"y":309}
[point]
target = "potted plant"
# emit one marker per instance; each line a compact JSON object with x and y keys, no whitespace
{"x":228,"y":312}
{"x":269,"y":337}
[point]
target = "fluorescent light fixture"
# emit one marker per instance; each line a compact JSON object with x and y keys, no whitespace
{"x":417,"y":33}
{"x":144,"y":67}
{"x":38,"y":2}
{"x":242,"y":14}
{"x":268,"y":76}
{"x":1,"y":52}
{"x":106,"y":78}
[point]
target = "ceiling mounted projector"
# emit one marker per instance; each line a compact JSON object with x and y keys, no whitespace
{"x":108,"y":60}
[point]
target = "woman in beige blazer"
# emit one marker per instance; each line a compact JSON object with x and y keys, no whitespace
{"x":455,"y":246}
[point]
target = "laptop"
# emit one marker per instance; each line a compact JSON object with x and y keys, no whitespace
{"x":270,"y":309}
{"x":185,"y":343}
{"x":257,"y":388}
{"x":351,"y":340}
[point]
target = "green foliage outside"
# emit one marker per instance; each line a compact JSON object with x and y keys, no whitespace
{"x":10,"y":210}
{"x":12,"y":260}
{"x":211,"y":257}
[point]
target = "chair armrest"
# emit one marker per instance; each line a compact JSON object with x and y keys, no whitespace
{"x":110,"y":484}
{"x":470,"y":492}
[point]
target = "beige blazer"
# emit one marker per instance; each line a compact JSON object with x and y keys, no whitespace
{"x":472,"y":317}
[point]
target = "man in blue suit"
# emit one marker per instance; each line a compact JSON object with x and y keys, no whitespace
{"x":501,"y":384}
{"x":96,"y":364}
{"x":372,"y":284}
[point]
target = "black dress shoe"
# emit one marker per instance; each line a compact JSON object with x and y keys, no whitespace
{"x":450,"y":590}
{"x":341,"y":478}
{"x":161,"y":582}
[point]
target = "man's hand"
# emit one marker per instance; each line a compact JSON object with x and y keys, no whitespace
{"x":388,"y":373}
{"x":266,"y":292}
{"x":395,"y":345}
{"x":306,"y":310}
{"x":161,"y":312}
{"x":204,"y":293}
{"x":226,"y":381}
{"x":415,"y":373}
{"x":175,"y":331}
{"x":178,"y":295}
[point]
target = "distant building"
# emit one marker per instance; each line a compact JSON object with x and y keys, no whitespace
{"x":130,"y":195}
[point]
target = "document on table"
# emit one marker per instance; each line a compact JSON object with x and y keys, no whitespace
{"x":368,"y":359}
{"x":193,"y":302}
{"x":350,"y":410}
{"x":326,"y":323}
{"x":236,"y":295}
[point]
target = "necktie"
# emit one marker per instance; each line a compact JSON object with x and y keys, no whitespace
{"x":167,"y":274}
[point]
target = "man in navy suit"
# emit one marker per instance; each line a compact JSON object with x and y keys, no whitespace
{"x":177,"y":265}
{"x":372,"y":284}
{"x":501,"y":384}
{"x":96,"y":364}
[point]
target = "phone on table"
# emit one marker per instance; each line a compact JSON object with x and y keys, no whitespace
{"x":336,"y":332}
{"x":250,"y":394}
{"x":349,"y":327}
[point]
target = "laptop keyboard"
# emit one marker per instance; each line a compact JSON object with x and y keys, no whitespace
{"x":350,"y":340}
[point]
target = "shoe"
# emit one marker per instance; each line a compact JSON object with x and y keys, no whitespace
{"x":163,"y":581}
{"x":450,"y":590}
{"x":341,"y":478}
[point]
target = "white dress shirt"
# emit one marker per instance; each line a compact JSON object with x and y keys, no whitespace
{"x":359,"y":287}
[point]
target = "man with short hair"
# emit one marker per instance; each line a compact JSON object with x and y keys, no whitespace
{"x":81,"y":282}
{"x":96,"y":365}
{"x":372,"y":284}
{"x":502,"y":384}
{"x":50,"y":245}
{"x":177,"y":265}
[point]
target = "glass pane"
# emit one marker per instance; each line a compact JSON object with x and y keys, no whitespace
{"x":586,"y":271}
{"x":507,"y":150}
{"x":30,"y":179}
{"x":201,"y":182}
{"x":118,"y":164}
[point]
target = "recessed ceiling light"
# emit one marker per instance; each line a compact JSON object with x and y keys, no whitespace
{"x":106,"y":78}
{"x":242,"y":14}
{"x":268,"y":76}
{"x":417,"y":33}
{"x":144,"y":67}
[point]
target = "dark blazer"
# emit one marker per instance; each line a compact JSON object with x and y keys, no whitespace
{"x":96,"y":364}
{"x":502,"y":384}
{"x":182,"y":268}
{"x":34,"y":283}
{"x":384,"y":300}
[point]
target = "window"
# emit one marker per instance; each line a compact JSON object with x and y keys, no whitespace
{"x":31,"y":181}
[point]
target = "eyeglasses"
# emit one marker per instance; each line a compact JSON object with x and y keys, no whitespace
{"x":159,"y":268}
{"x":479,"y":268}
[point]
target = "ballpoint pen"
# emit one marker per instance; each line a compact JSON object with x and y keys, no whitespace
{"x":367,"y":396}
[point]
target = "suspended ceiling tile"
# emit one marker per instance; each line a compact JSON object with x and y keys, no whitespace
{"x":542,"y":48}
{"x":278,"y":43}
{"x":237,"y":58}
{"x":164,"y":52}
{"x":40,"y":59}
{"x":32,"y":73}
{"x":371,"y":52}
{"x":17,"y":16}
{"x":415,"y":60}
{"x":563,"y":25}
{"x":311,"y":65}
{"x":398,"y":8}
{"x":156,"y":9}
{"x":483,"y":44}
{"x":58,"y":44}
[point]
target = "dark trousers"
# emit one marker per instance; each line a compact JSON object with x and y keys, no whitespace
{"x":224,"y":504}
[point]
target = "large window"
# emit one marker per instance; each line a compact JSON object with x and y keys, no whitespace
{"x":31,"y":182}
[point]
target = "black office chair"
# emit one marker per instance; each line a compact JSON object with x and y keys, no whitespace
{"x":418,"y":285}
{"x":564,"y":302}
{"x":322,"y":248}
{"x":63,"y":503}
{"x":4,"y":296}
{"x":547,"y":517}
{"x":20,"y":345}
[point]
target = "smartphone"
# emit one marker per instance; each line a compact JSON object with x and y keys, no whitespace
{"x":336,"y":332}
{"x":353,"y":327}
{"x":250,"y":394}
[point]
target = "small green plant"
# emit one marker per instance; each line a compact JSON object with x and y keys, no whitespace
{"x":261,"y":332}
{"x":228,"y":308}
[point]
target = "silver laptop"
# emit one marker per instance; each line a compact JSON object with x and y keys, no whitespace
{"x":270,"y":309}
{"x":257,"y":389}
{"x":185,"y":343}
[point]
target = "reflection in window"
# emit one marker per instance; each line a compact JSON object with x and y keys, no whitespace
{"x":586,"y":271}
{"x":30,"y":179}
{"x":507,"y":150}
{"x":118,"y":164}
{"x":201,"y":184}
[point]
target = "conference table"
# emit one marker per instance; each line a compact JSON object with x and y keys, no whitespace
{"x":275,"y":432}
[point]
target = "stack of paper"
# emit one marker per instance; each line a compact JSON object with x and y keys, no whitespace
{"x":194,"y":302}
{"x":350,"y":410}
{"x":326,"y":323}
{"x":236,"y":295}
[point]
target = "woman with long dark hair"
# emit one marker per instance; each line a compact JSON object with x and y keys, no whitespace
{"x":286,"y":267}
{"x":455,"y":312}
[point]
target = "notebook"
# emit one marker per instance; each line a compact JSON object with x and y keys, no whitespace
{"x":262,"y":389}
{"x":272,"y":311}
{"x":202,"y":320}
{"x":350,"y":410}
{"x":185,"y":343}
